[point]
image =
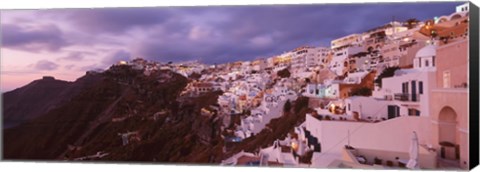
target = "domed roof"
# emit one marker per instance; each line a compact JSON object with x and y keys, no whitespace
{"x":427,"y":51}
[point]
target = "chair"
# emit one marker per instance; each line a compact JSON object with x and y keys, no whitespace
{"x":390,"y":163}
{"x":377,"y":161}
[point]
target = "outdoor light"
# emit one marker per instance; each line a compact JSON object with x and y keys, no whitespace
{"x":294,"y":146}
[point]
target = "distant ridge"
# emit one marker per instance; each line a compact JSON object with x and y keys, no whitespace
{"x":40,"y":96}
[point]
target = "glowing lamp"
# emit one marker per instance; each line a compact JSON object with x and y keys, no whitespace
{"x":294,"y":146}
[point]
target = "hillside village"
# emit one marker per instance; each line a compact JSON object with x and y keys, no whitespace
{"x":355,"y":103}
{"x":372,"y":89}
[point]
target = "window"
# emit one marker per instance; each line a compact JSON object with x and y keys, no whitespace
{"x":426,"y":63}
{"x":419,"y":62}
{"x":413,"y":112}
{"x":433,"y":61}
{"x":348,"y":107}
{"x":406,"y":87}
{"x":446,"y":79}
{"x":420,"y":87}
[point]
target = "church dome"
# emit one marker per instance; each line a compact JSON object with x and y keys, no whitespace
{"x":427,"y":51}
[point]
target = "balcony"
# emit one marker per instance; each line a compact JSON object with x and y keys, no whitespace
{"x":405,"y":97}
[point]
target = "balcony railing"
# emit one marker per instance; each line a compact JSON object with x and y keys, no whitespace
{"x":407,"y":97}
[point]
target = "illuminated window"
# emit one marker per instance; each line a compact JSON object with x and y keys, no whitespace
{"x":446,"y":79}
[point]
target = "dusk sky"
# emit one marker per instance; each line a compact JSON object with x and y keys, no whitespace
{"x":65,"y":43}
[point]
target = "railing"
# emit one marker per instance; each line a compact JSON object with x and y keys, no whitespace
{"x":407,"y":97}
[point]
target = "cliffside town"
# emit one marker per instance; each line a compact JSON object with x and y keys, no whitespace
{"x":354,"y":105}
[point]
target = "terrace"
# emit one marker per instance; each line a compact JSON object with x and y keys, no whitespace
{"x":370,"y":158}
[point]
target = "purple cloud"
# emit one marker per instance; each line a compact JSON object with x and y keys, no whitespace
{"x":69,"y":67}
{"x":46,"y":37}
{"x":116,"y":56}
{"x":249,"y":32}
{"x":117,"y":20}
{"x":91,"y":67}
{"x":73,"y":56}
{"x":76,"y":56}
{"x":222,"y":33}
{"x":45,"y":65}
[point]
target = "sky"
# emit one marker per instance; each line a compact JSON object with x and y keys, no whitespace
{"x":65,"y":43}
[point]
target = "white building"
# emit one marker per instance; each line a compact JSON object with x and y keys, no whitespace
{"x":259,"y":65}
{"x":409,"y":87}
{"x":353,"y":39}
{"x":355,"y":78}
{"x":339,"y":64}
{"x":270,"y":108}
{"x":316,"y":57}
{"x":462,"y":8}
{"x":367,"y":108}
{"x":395,"y":27}
{"x":391,"y":54}
{"x":326,"y":90}
{"x":308,"y":58}
{"x":390,"y":135}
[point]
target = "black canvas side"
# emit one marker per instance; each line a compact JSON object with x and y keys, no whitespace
{"x":473,"y":89}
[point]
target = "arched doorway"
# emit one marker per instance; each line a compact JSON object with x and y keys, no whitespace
{"x":447,"y":126}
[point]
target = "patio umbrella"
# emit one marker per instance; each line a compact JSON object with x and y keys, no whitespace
{"x":413,"y":162}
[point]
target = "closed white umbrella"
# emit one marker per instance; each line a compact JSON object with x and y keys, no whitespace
{"x":413,"y":162}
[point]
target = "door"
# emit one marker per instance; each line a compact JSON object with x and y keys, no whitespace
{"x":392,"y":111}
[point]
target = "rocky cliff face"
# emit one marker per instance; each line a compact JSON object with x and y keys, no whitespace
{"x":41,"y":96}
{"x":31,"y":100}
{"x":145,"y":109}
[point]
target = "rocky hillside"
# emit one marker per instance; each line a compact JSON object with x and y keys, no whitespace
{"x":41,"y":96}
{"x":128,"y":116}
{"x":123,"y":101}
